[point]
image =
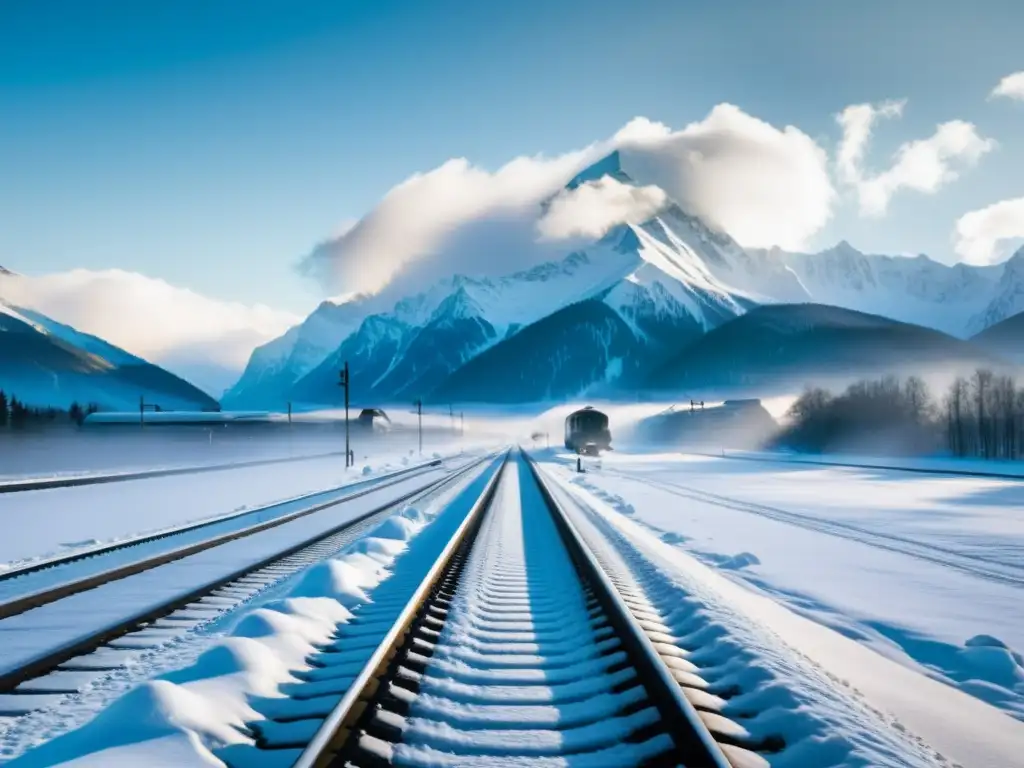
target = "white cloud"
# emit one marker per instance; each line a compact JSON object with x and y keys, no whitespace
{"x":924,"y":165}
{"x":763,"y":185}
{"x":149,"y":317}
{"x":857,"y":122}
{"x":980,"y":235}
{"x":415,"y":218}
{"x":593,"y":208}
{"x":1010,"y":87}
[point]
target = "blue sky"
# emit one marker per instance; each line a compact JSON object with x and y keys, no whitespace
{"x":213,"y":144}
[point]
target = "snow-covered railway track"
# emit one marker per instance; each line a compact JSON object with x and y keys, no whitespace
{"x":988,"y":568}
{"x":515,"y":648}
{"x":57,"y":649}
{"x":74,"y":481}
{"x":38,"y":583}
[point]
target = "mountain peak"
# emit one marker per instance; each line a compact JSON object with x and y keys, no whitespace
{"x":458,"y":306}
{"x":610,"y":165}
{"x":843,"y":247}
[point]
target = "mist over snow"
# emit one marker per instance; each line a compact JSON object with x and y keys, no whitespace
{"x":195,"y":336}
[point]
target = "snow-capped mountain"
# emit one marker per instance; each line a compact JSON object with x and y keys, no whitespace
{"x":660,"y":284}
{"x":655,"y":285}
{"x":1007,"y":299}
{"x":274,"y":367}
{"x":48,"y":364}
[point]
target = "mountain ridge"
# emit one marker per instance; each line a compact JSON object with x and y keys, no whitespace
{"x":669,"y":279}
{"x":48,"y":364}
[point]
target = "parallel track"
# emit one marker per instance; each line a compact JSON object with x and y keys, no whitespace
{"x":74,"y":481}
{"x":40,"y":583}
{"x":66,"y":668}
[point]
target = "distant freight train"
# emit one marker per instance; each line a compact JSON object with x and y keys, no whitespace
{"x":586,"y":432}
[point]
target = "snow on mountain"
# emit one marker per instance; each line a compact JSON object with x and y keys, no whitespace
{"x":959,"y":299}
{"x":425,"y":337}
{"x":275,"y":366}
{"x":1008,"y":298}
{"x":656,"y":283}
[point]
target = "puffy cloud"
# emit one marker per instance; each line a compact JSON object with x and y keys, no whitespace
{"x":593,"y":208}
{"x":924,"y":165}
{"x":857,"y":122}
{"x":1010,"y":87}
{"x":980,"y":235}
{"x":416,"y":218}
{"x":764,"y":185}
{"x":149,"y":317}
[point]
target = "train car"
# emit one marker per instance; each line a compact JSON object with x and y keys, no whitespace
{"x":586,"y":432}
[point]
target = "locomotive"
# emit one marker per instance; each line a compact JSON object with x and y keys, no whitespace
{"x":586,"y":432}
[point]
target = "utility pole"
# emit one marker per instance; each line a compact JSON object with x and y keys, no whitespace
{"x":142,"y":412}
{"x":419,"y":418}
{"x":289,"y":413}
{"x":451,"y":415}
{"x":344,"y":383}
{"x":462,"y":423}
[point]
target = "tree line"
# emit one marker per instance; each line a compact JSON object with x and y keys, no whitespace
{"x":15,"y":413}
{"x":980,"y":416}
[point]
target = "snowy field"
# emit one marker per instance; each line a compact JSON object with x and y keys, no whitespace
{"x":38,"y":524}
{"x":926,"y":569}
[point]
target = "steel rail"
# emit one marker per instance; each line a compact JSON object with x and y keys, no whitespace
{"x":697,"y":746}
{"x":333,"y":732}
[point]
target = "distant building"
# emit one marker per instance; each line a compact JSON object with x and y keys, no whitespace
{"x":741,"y":424}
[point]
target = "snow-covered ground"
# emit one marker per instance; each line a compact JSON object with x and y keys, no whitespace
{"x":928,"y":570}
{"x":43,"y":523}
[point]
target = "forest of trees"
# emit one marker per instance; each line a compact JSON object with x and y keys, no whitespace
{"x":15,"y":414}
{"x":979,"y":416}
